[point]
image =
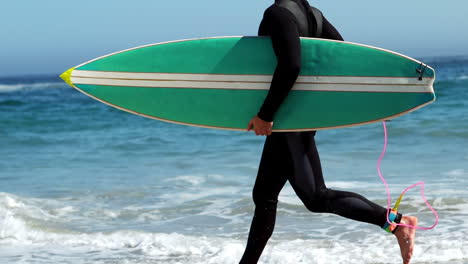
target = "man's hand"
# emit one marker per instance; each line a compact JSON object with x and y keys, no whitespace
{"x":261,"y":128}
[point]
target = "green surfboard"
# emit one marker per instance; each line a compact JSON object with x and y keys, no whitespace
{"x":221,"y":82}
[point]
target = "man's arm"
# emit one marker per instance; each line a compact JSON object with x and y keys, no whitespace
{"x":287,"y":47}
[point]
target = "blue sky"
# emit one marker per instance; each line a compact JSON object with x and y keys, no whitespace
{"x":51,"y":36}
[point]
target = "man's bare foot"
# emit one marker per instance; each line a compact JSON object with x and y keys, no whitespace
{"x":406,"y":236}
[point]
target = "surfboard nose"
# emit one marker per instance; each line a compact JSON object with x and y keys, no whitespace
{"x":66,"y":76}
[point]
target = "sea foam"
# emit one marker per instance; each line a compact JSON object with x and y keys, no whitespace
{"x":6,"y":88}
{"x":23,"y":237}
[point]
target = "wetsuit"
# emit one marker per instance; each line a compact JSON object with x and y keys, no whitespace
{"x":293,"y":156}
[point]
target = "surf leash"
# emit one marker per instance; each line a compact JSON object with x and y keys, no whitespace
{"x":393,"y":211}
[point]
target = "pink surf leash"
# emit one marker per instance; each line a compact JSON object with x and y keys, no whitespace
{"x":389,"y":198}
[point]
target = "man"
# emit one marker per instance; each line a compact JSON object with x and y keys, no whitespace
{"x":293,"y":156}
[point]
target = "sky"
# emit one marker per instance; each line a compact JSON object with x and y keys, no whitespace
{"x":50,"y":36}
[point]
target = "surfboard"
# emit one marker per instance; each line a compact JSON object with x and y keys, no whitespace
{"x":221,"y":82}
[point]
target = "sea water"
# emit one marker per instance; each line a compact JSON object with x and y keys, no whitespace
{"x":82,"y":182}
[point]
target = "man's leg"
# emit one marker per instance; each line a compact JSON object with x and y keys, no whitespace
{"x":307,"y":181}
{"x":270,"y":180}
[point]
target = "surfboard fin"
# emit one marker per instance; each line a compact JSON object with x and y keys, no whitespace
{"x":66,"y":76}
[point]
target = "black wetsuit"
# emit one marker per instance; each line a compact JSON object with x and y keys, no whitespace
{"x":293,"y":156}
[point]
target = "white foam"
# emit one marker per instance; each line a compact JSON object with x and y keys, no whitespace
{"x":456,"y":172}
{"x":6,"y":88}
{"x":193,"y":180}
{"x":336,"y":240}
{"x":64,"y":211}
{"x":34,"y":208}
{"x":199,"y":193}
{"x":350,"y":184}
{"x":152,"y":216}
{"x":10,"y":202}
{"x":136,"y":246}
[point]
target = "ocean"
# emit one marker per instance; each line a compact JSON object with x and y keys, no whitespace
{"x":81,"y":182}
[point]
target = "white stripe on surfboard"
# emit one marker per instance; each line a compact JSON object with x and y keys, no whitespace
{"x":249,"y":78}
{"x":338,"y":87}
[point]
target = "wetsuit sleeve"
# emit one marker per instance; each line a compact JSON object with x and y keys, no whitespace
{"x":286,"y":45}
